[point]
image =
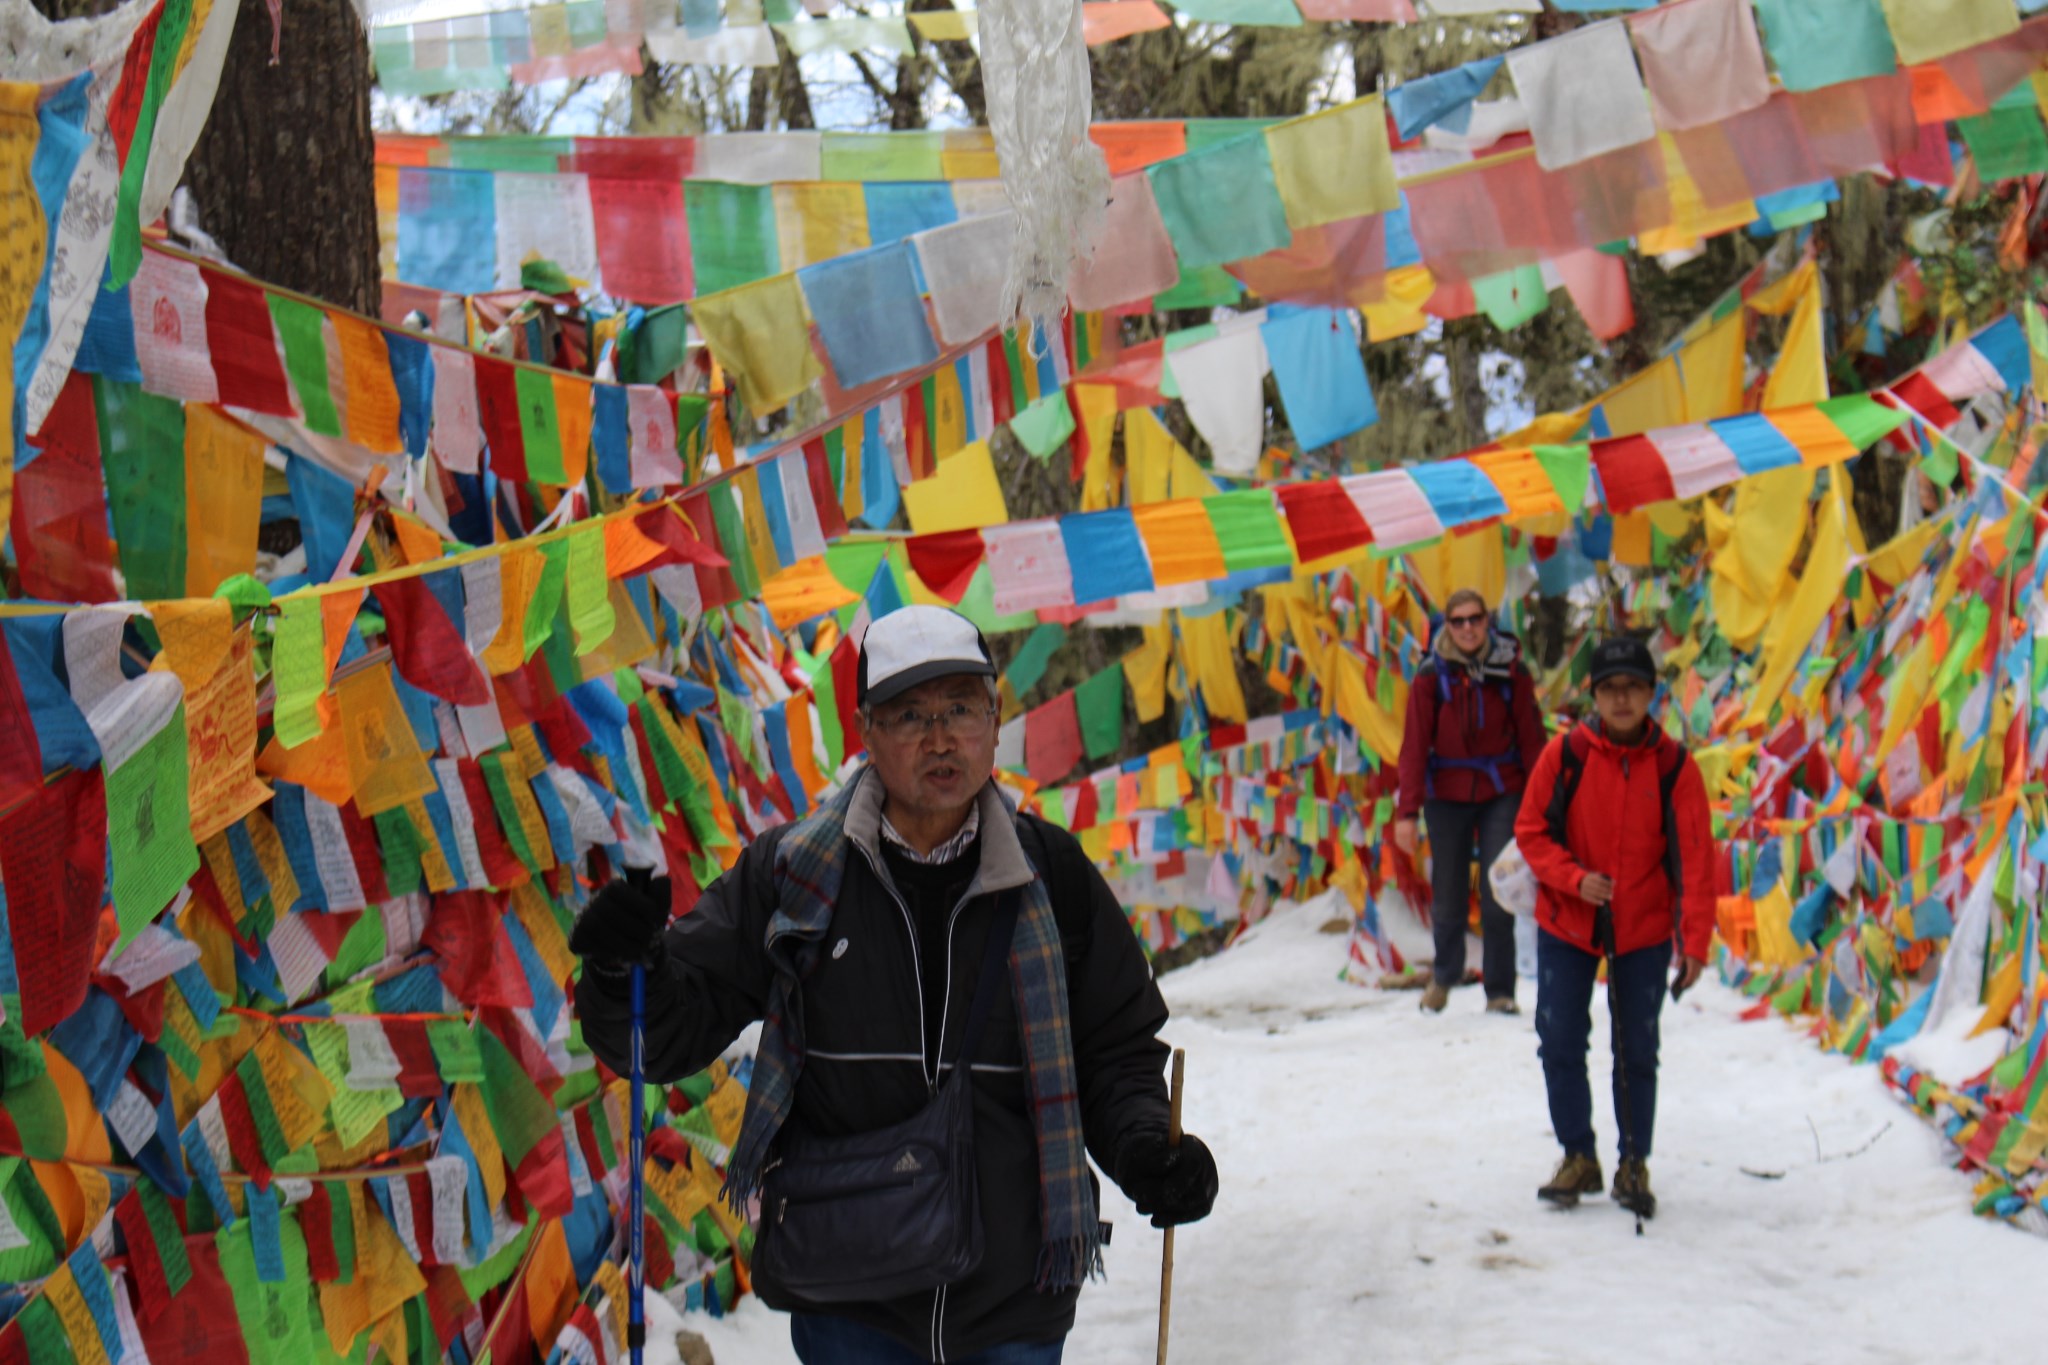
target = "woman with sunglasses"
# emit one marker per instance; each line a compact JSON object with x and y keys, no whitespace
{"x":1473,"y":735}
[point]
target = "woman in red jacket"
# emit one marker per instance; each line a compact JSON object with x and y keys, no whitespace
{"x":1616,"y":829}
{"x":1472,"y":735}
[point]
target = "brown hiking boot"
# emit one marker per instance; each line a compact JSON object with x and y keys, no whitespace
{"x":1632,"y":1188}
{"x":1503,"y":1004}
{"x":1577,"y":1174}
{"x":1435,"y":996}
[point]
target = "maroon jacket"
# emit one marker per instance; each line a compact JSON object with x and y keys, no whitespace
{"x":1457,"y":714}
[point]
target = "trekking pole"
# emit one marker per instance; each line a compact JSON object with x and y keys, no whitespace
{"x":1166,"y":1253}
{"x":636,"y":1249}
{"x":1605,"y":924}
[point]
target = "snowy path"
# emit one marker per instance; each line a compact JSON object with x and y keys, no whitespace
{"x":1379,"y":1171}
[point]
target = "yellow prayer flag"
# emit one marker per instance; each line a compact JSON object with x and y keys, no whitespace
{"x":1790,"y":633}
{"x":1522,"y":482}
{"x":1334,"y":165}
{"x":519,"y":572}
{"x":1397,"y":310}
{"x":816,"y":220}
{"x":572,"y":412}
{"x":366,"y":380}
{"x":963,"y":494}
{"x":760,"y":333}
{"x":224,"y":492}
{"x":1710,"y":369}
{"x":24,"y":231}
{"x":384,"y":757}
{"x":1801,"y":374}
{"x":1098,"y":403}
{"x":1651,"y":399}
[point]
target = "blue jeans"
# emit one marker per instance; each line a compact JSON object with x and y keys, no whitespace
{"x":821,"y":1339}
{"x":1565,"y":979}
{"x":1458,"y":830}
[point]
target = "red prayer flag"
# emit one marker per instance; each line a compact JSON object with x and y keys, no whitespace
{"x":1632,"y":473}
{"x":426,"y":646}
{"x":21,"y":758}
{"x":479,"y":966}
{"x":1052,"y":739}
{"x":643,"y":239}
{"x":243,"y":338}
{"x":497,"y":401}
{"x":60,"y":505}
{"x":53,"y":861}
{"x":946,"y":561}
{"x":199,"y":1326}
{"x":1323,"y":519}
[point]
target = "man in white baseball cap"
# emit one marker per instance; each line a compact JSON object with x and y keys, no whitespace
{"x":876,"y":939}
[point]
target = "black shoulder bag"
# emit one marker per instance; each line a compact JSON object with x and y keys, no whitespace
{"x":891,"y":1212}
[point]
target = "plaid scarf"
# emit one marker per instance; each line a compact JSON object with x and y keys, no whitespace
{"x":810,"y":865}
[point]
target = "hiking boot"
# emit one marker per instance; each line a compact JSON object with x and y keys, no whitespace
{"x":1435,"y":996}
{"x":1577,"y":1174}
{"x":1632,"y":1187}
{"x":1503,"y":1004}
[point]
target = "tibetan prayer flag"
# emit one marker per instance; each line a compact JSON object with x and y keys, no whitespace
{"x":1583,"y":93}
{"x":1105,"y":555}
{"x":53,"y":866}
{"x":1334,"y":165}
{"x":1248,"y":528}
{"x":758,"y":332}
{"x":540,"y":427}
{"x":1321,"y":374}
{"x":1221,"y":203}
{"x":59,"y":519}
{"x":1814,"y":43}
{"x":1927,"y":29}
{"x":643,"y":242}
{"x":445,"y":218}
{"x":1052,"y":739}
{"x":732,"y":234}
{"x":302,"y":329}
{"x":1702,"y":61}
{"x":372,"y":398}
{"x":169,"y":299}
{"x":1134,"y":256}
{"x":146,"y":492}
{"x":224,"y":482}
{"x":1099,"y":708}
{"x":1322,"y":520}
{"x":870,"y":313}
{"x":964,"y":493}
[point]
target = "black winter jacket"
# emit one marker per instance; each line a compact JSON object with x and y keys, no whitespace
{"x":866,"y":1027}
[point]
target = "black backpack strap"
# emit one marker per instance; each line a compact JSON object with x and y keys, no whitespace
{"x":1667,"y":786}
{"x":1571,"y":766}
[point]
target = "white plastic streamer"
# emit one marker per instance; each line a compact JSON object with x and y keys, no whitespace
{"x":1039,"y":104}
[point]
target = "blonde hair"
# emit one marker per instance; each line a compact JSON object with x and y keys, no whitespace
{"x":1462,"y":596}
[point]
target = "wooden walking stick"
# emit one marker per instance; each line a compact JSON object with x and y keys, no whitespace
{"x":1166,"y":1253}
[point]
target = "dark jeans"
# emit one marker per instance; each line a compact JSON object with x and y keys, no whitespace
{"x":821,"y":1339}
{"x":1453,"y":828}
{"x":1565,"y":981}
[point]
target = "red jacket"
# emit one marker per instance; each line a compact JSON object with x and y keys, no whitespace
{"x":1615,"y":825}
{"x":1452,"y":715}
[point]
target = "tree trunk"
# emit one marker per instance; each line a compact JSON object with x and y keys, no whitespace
{"x":284,"y":176}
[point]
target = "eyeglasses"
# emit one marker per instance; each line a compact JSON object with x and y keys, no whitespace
{"x":1479,"y":620}
{"x":960,"y":721}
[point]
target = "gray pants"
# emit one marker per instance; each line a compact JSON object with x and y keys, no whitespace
{"x":1454,"y":826}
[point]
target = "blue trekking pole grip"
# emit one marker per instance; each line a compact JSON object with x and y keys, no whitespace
{"x":636,"y":1250}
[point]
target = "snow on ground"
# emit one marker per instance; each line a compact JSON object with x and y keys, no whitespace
{"x":1379,"y":1170}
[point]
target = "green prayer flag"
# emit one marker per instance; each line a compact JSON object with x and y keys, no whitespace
{"x":299,"y":326}
{"x":1028,"y":665}
{"x":732,"y":234}
{"x":149,"y":827}
{"x":399,"y":843}
{"x":456,"y":1054}
{"x":547,"y":595}
{"x":589,"y":591}
{"x":540,"y":426}
{"x":520,"y":1115}
{"x":892,"y":156}
{"x":124,"y":249}
{"x":42,"y":1331}
{"x":1570,"y":471}
{"x":142,"y":453}
{"x":1863,"y":420}
{"x":1511,"y":297}
{"x":277,"y":1319}
{"x":2009,"y":141}
{"x":1100,"y":704}
{"x":509,"y":152}
{"x":1248,"y":530}
{"x":1221,"y":203}
{"x":1208,"y":286}
{"x":1045,"y":426}
{"x":731,"y":526}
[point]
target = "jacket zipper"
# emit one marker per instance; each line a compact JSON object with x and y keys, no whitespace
{"x":938,"y":1049}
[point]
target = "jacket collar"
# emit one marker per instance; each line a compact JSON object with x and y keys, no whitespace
{"x":1653,"y":740}
{"x":1003,"y":864}
{"x":1497,"y":657}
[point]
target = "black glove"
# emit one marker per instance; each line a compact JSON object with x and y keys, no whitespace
{"x":622,"y":924}
{"x":1172,"y":1184}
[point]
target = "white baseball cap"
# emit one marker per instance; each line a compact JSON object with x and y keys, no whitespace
{"x":913,"y":645}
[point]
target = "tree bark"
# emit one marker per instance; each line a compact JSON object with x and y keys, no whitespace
{"x":284,"y":176}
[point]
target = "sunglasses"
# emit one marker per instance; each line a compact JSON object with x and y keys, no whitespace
{"x":1465,"y":620}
